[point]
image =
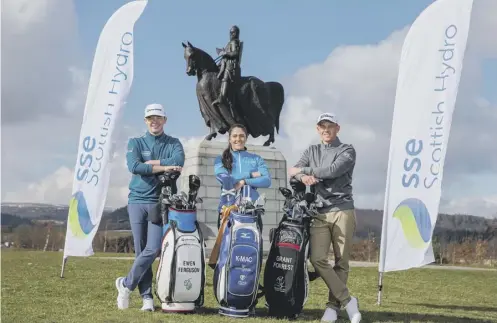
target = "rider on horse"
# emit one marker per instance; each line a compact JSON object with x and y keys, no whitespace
{"x":229,"y":71}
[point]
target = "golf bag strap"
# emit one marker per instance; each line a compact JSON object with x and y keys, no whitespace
{"x":225,"y":212}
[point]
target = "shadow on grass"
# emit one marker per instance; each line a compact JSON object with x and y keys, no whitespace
{"x":367,"y":316}
{"x":460,"y":307}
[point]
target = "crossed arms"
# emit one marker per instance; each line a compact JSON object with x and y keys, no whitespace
{"x":137,"y":167}
{"x":261,"y":178}
{"x":342,"y":164}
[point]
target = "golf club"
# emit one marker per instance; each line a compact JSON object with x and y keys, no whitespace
{"x":184,"y":200}
{"x":194,"y":185}
{"x":287,"y":194}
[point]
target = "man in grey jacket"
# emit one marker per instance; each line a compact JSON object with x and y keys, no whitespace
{"x":329,"y":166}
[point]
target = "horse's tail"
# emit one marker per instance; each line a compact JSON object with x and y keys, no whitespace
{"x":277,"y":98}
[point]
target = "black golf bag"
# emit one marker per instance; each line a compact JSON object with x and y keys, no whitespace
{"x":286,"y":276}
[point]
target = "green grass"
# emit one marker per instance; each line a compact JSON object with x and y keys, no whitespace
{"x":32,"y":291}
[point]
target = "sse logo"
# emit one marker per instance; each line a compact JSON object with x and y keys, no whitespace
{"x":415,"y":220}
{"x":79,"y":216}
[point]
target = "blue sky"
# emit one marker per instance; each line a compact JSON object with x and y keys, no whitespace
{"x":330,"y":56}
{"x":279,"y":38}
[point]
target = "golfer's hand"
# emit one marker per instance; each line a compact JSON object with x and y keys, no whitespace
{"x":294,"y":171}
{"x":239,"y":185}
{"x":256,"y":174}
{"x":309,"y":180}
{"x":172,"y":168}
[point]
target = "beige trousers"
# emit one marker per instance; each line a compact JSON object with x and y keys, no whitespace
{"x":336,"y":229}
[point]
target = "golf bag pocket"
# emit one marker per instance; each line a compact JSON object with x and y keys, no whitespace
{"x":286,"y":280}
{"x":236,"y":276}
{"x":180,"y":278}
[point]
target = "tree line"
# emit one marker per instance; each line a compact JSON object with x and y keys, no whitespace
{"x":450,"y":247}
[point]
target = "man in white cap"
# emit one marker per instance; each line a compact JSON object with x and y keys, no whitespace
{"x":152,"y":153}
{"x":328,"y":166}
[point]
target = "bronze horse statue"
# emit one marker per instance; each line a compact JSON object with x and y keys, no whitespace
{"x":252,"y":102}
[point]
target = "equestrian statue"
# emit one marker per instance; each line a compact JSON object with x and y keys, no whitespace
{"x":226,"y":97}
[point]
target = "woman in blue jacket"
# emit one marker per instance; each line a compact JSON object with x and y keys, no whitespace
{"x":245,"y":168}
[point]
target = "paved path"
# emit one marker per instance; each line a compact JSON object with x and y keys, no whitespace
{"x":356,"y":264}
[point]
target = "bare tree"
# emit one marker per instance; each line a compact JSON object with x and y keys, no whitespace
{"x":49,"y":228}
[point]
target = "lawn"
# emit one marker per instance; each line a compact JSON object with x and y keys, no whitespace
{"x":32,"y":291}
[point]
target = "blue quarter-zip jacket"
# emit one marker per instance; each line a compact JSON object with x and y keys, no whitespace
{"x":143,"y":187}
{"x":245,"y":163}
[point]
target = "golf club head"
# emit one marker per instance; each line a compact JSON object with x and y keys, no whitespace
{"x":318,"y":204}
{"x":199,"y":200}
{"x":285,"y":192}
{"x":193,"y":182}
{"x":309,"y":198}
{"x":175,"y":200}
{"x":168,"y":177}
{"x":261,"y":201}
{"x":185,"y":199}
{"x":297,"y":212}
{"x":173,"y":175}
{"x":297,"y":186}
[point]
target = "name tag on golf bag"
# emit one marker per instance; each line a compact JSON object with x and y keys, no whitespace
{"x":180,"y":278}
{"x":236,"y":275}
{"x":286,"y":279}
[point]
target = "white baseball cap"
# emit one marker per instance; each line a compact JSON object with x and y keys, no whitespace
{"x":327,"y":117}
{"x":154,"y":109}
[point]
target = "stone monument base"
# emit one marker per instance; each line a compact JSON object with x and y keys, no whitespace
{"x":200,"y":162}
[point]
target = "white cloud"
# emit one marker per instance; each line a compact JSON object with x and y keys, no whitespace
{"x":40,"y":71}
{"x":56,"y":187}
{"x":356,"y":82}
{"x":483,"y":206}
{"x":43,"y":89}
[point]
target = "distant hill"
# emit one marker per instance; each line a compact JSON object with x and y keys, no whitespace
{"x":12,"y":221}
{"x":448,"y":227}
{"x":39,"y":211}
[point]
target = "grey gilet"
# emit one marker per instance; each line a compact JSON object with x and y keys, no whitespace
{"x":333,"y":165}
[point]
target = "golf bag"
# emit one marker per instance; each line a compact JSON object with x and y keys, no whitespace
{"x":180,"y":279}
{"x":236,"y":274}
{"x":286,"y":276}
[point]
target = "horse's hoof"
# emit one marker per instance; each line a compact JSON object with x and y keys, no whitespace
{"x":268,"y":142}
{"x":210,"y":136}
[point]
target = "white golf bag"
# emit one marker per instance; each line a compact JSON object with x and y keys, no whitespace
{"x":180,"y":278}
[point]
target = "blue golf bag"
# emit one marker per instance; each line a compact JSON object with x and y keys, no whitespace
{"x":238,"y":266}
{"x":180,"y":278}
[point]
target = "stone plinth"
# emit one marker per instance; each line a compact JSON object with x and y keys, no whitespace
{"x":200,"y":162}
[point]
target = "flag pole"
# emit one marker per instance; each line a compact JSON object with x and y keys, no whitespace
{"x":380,"y":287}
{"x":64,"y":260}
